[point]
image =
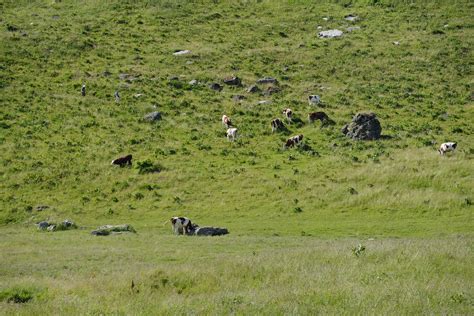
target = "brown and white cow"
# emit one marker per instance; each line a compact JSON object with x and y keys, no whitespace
{"x":122,"y":161}
{"x":293,"y":141}
{"x":288,"y":114}
{"x":226,"y":121}
{"x":277,"y":124}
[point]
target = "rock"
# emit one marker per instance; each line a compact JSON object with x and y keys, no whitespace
{"x":68,"y":224}
{"x":137,"y":95}
{"x":253,"y":89}
{"x":128,"y":77}
{"x":353,"y":28}
{"x":271,"y":90}
{"x":267,"y":80}
{"x":51,"y":228}
{"x":40,"y":208}
{"x":330,"y":34}
{"x":152,"y":117}
{"x":364,"y":126}
{"x":113,"y":229}
{"x":263,"y":102}
{"x":238,"y":97}
{"x":216,"y":87}
{"x":233,"y":81}
{"x":351,"y":17}
{"x":181,"y":52}
{"x":193,"y":82}
{"x":42,"y":225}
{"x":396,"y":43}
{"x":210,"y":231}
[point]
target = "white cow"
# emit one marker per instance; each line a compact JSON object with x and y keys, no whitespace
{"x":232,"y":133}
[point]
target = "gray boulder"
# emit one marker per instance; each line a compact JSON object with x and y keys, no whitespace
{"x":113,"y":229}
{"x":152,"y":117}
{"x":364,"y":126}
{"x":210,"y":231}
{"x":42,"y":225}
{"x":253,"y":89}
{"x":215,"y":86}
{"x":267,"y":80}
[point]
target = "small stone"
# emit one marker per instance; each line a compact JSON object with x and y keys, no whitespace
{"x":264,"y":102}
{"x":253,"y":89}
{"x":152,"y":117}
{"x":353,"y":28}
{"x":238,"y":98}
{"x":181,"y":52}
{"x":271,"y":90}
{"x":267,"y":80}
{"x":42,"y":225}
{"x":193,"y":82}
{"x":40,"y":208}
{"x":330,"y":34}
{"x":216,"y":87}
{"x":351,"y":17}
{"x":233,"y":81}
{"x":51,"y":228}
{"x":138,"y":95}
{"x":396,"y":43}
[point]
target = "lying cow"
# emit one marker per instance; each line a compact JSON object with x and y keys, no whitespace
{"x":288,"y":114}
{"x":226,"y":121}
{"x":277,"y":124}
{"x":122,"y":161}
{"x":317,"y":116}
{"x":232,"y":133}
{"x":181,"y":225}
{"x":293,"y":141}
{"x":446,"y":147}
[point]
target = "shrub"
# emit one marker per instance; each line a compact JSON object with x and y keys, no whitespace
{"x":147,"y":166}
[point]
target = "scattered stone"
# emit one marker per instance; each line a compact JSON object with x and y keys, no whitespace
{"x":42,"y":225}
{"x":353,"y":191}
{"x":271,"y":90}
{"x":353,"y":28}
{"x":267,"y":80}
{"x":173,"y":78}
{"x":325,"y":19}
{"x":264,"y":102}
{"x":128,"y":77}
{"x":364,"y":126}
{"x":233,"y":81}
{"x":319,"y":27}
{"x":253,"y":89}
{"x":396,"y":43}
{"x":216,"y":87}
{"x":106,"y":73}
{"x":189,"y":62}
{"x":152,"y":117}
{"x":193,"y":82}
{"x":55,"y":17}
{"x":330,"y":34}
{"x":351,"y":17}
{"x":40,"y":208}
{"x":138,"y":95}
{"x":181,"y":52}
{"x":51,"y":227}
{"x":113,"y":229}
{"x":238,"y":97}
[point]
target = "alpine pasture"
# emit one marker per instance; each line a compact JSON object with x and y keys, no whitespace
{"x":329,"y":226}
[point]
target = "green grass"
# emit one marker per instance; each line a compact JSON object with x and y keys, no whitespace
{"x":316,"y":203}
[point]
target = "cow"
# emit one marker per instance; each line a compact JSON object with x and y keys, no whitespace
{"x":288,"y":114}
{"x":83,"y":90}
{"x":181,"y":225}
{"x":293,"y":141}
{"x":446,"y":147}
{"x":314,"y":99}
{"x":226,"y":121}
{"x":231,"y":134}
{"x":277,"y":124}
{"x":122,"y":161}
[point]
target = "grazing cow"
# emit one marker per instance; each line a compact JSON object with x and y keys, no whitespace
{"x":293,"y":141}
{"x":226,"y":121}
{"x":445,"y":147}
{"x":83,"y":90}
{"x":181,"y":225}
{"x":314,"y":99}
{"x":117,"y":96}
{"x":122,"y":161}
{"x":231,"y":134}
{"x":277,"y":124}
{"x":288,"y":114}
{"x":317,"y":116}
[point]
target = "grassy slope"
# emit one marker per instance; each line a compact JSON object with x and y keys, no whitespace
{"x":56,"y":145}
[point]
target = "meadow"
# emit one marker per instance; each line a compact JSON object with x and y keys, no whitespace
{"x":294,"y":215}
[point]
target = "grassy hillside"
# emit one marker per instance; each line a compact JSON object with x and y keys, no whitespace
{"x":57,"y":145}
